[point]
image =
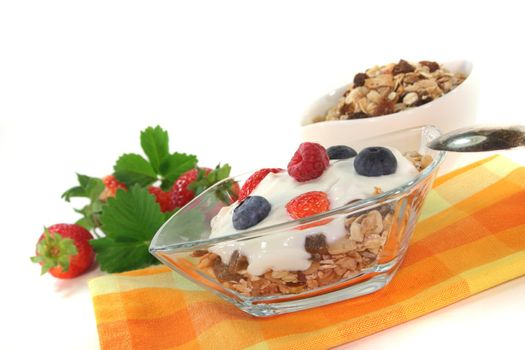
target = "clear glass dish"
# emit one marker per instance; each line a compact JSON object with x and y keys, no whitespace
{"x":361,"y":268}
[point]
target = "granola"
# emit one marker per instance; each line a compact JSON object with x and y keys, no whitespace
{"x":392,"y":88}
{"x":366,"y":235}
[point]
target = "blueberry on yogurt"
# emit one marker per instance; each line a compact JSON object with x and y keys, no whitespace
{"x":375,"y":161}
{"x":340,"y":152}
{"x":250,"y":212}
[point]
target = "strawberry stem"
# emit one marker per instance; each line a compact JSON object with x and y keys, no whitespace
{"x":53,"y":250}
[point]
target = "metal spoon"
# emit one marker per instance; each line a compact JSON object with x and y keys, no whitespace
{"x":480,"y":139}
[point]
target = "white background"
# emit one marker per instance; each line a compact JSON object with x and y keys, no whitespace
{"x":79,"y":80}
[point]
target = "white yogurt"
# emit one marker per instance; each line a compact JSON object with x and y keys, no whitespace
{"x":285,"y":251}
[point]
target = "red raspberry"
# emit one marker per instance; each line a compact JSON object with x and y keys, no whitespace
{"x":165,"y":199}
{"x":308,"y":204}
{"x":254,"y":180}
{"x":309,"y":162}
{"x":180,"y":192}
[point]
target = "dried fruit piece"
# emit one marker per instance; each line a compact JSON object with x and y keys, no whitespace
{"x":359,"y":79}
{"x":346,"y":109}
{"x":198,"y":253}
{"x":223,"y":273}
{"x":316,"y":244}
{"x":432,"y":66}
{"x":402,"y":67}
{"x":238,"y":262}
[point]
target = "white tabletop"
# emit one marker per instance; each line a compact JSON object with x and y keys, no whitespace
{"x":78,"y":81}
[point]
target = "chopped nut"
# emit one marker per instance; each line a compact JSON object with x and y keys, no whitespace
{"x":379,"y":81}
{"x":426,"y":161}
{"x":410,"y":98}
{"x":356,"y":233}
{"x":342,"y":246}
{"x":392,"y":96}
{"x":372,"y":223}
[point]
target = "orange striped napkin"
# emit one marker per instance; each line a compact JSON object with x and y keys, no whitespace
{"x":471,"y":236}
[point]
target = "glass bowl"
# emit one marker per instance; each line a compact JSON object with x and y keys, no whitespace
{"x":377,"y":234}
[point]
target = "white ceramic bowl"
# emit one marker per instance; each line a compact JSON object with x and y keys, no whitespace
{"x":454,"y":110}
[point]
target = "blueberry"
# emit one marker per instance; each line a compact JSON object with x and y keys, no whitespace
{"x":375,"y":161}
{"x":250,"y":212}
{"x":341,"y":152}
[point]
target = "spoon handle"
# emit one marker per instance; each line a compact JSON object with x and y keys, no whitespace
{"x":480,"y":139}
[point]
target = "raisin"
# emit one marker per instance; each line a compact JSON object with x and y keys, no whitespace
{"x":422,"y":101}
{"x":222,"y":272}
{"x":402,"y":67}
{"x":386,"y":209}
{"x":359,"y":115}
{"x":359,"y":79}
{"x":198,"y":253}
{"x":316,"y":244}
{"x":384,"y":107}
{"x":346,"y":109}
{"x":238,"y":262}
{"x":432,"y":66}
{"x":301,"y":277}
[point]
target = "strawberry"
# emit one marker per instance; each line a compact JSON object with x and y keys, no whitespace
{"x":235,"y":192}
{"x":111,"y":186}
{"x":180,"y":191}
{"x":254,"y":180}
{"x":165,"y":199}
{"x":64,"y":251}
{"x":308,"y":204}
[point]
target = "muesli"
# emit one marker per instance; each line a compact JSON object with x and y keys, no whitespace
{"x":392,"y":88}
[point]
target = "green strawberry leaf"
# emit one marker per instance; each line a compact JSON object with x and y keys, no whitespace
{"x":129,"y":220}
{"x":155,"y":143}
{"x":118,"y":255}
{"x":76,"y":191}
{"x":133,"y":214}
{"x":86,"y":223}
{"x":204,"y":181}
{"x":90,"y":187}
{"x":174,"y":166}
{"x":133,"y":169}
